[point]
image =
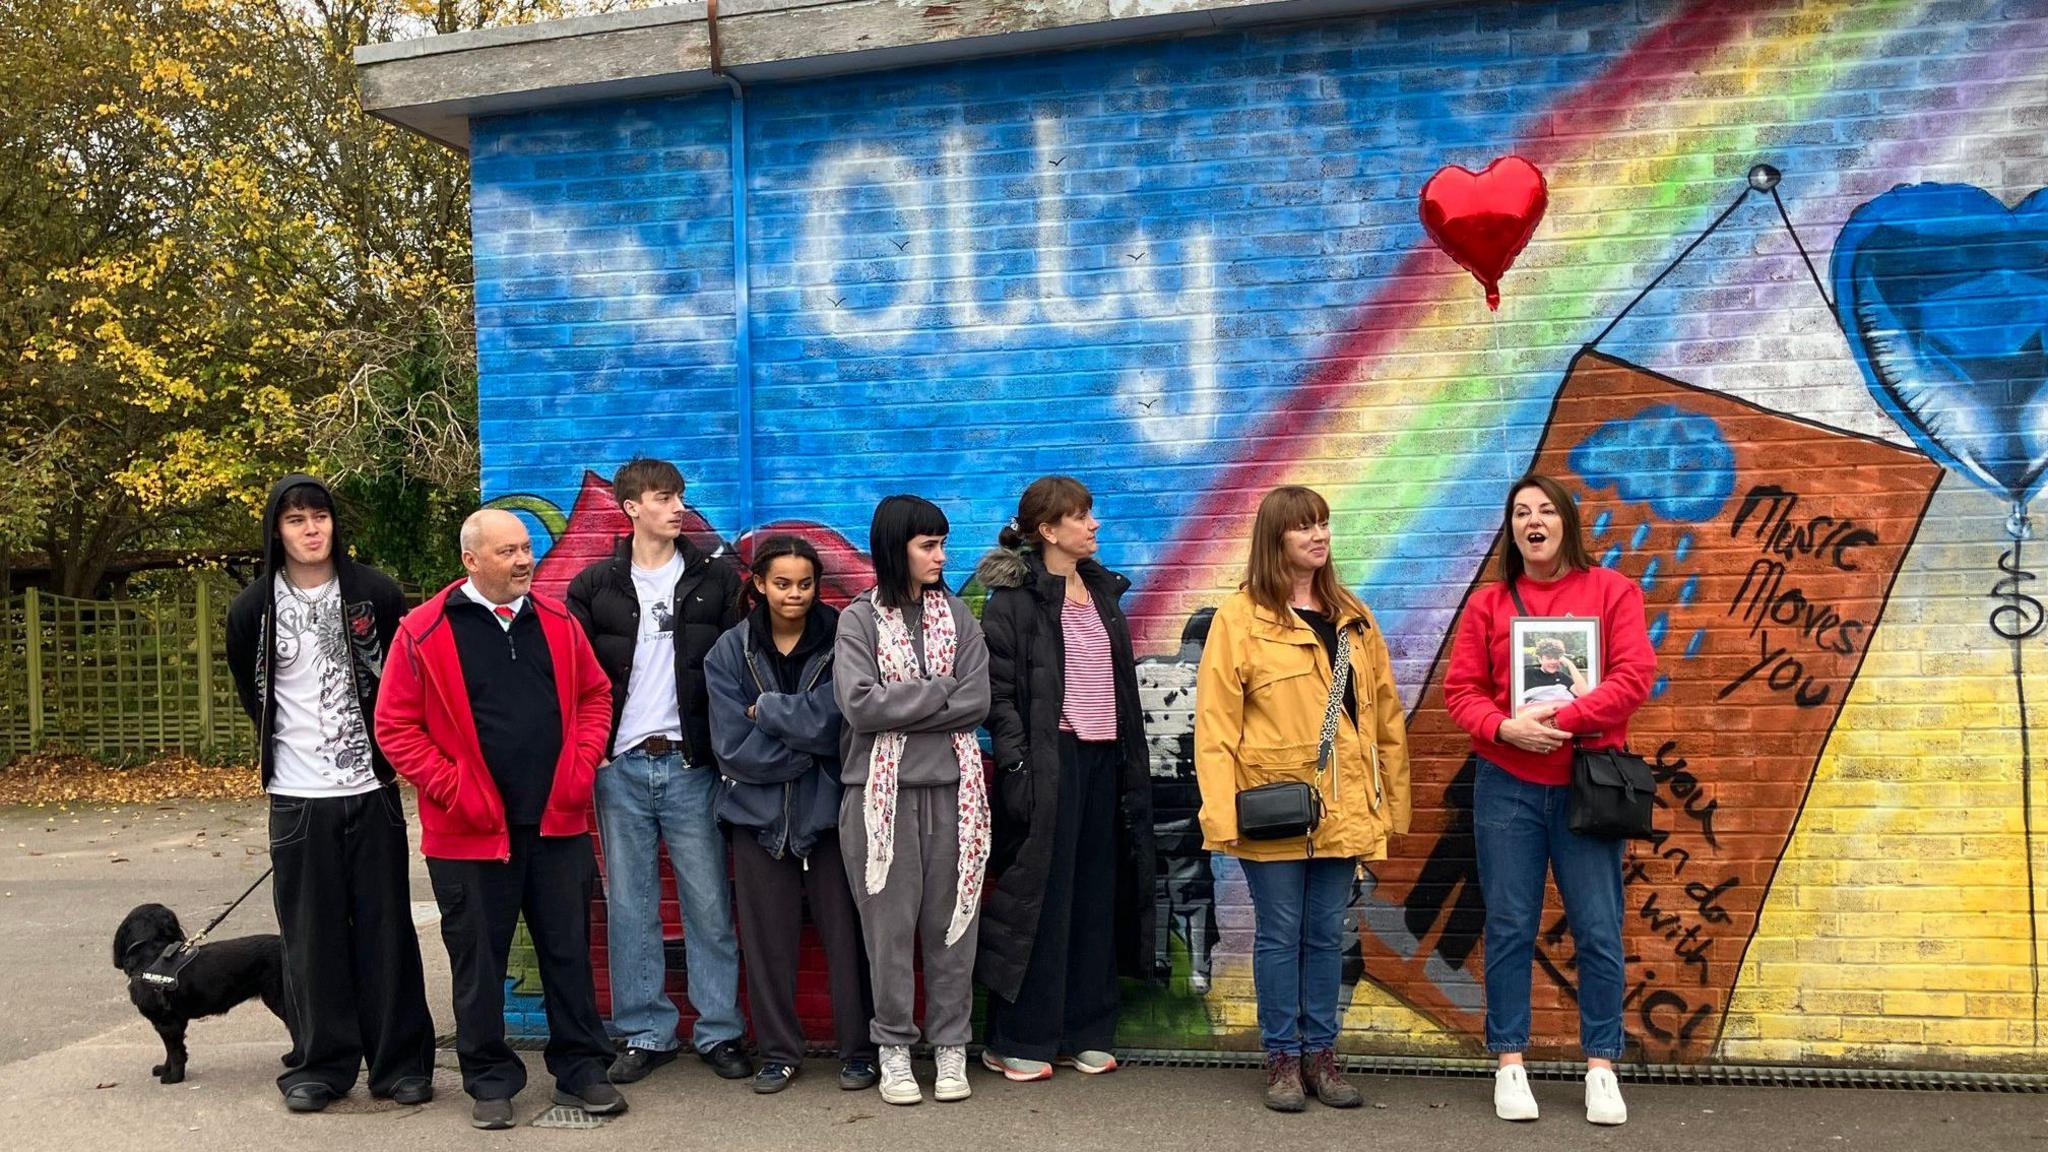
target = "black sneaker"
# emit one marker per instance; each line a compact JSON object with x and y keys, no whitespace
{"x":491,"y":1115}
{"x":858,"y":1074}
{"x":636,"y":1063}
{"x":598,"y":1098}
{"x":308,"y":1097}
{"x":773,"y":1077}
{"x":726,"y":1059}
{"x":412,"y":1090}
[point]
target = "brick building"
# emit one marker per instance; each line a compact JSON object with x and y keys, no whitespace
{"x":1173,"y":248}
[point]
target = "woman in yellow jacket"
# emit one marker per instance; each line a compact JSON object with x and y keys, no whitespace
{"x":1260,"y":700}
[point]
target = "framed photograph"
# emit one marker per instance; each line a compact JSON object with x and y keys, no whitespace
{"x":1557,"y":659}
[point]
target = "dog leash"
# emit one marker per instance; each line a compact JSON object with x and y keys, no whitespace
{"x":197,"y":940}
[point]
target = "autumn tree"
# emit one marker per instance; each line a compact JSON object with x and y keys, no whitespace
{"x":215,"y":268}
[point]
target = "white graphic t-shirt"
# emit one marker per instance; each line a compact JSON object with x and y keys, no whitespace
{"x":320,"y":745}
{"x":651,"y":687}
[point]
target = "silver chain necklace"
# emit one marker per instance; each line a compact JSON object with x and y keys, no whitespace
{"x":311,"y":603}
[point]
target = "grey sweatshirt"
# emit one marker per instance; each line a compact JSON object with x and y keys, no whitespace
{"x":929,"y":710}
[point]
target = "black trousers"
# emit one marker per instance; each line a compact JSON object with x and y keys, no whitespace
{"x":550,"y":879}
{"x":1069,"y":999}
{"x":771,"y":896}
{"x":351,"y":955}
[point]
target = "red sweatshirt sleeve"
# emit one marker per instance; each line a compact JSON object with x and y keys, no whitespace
{"x":1469,"y":688}
{"x":402,"y":725}
{"x":593,"y":705}
{"x":1631,"y":665}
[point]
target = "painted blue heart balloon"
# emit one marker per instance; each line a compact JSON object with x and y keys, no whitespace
{"x":1944,"y":294}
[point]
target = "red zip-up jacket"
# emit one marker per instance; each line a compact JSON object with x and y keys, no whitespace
{"x":1480,"y":677}
{"x":426,"y":730}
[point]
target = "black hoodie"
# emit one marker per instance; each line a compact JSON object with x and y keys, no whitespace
{"x":371,"y":608}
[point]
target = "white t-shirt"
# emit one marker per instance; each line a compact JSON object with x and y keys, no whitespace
{"x":320,"y":746}
{"x":651,"y":708}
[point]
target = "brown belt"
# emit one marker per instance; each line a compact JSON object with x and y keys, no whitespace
{"x":658,"y":746}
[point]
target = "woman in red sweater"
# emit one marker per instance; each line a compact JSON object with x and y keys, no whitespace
{"x":1520,"y":792}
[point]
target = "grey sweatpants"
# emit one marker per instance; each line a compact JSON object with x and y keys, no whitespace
{"x":916,"y":903}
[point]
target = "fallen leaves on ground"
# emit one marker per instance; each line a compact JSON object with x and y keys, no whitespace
{"x":46,"y":778}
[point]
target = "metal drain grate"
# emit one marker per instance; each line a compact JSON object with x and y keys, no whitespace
{"x":559,"y":1116}
{"x":1466,"y":1067}
{"x":1719,"y":1075}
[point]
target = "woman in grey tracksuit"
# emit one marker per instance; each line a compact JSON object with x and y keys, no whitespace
{"x":912,"y":825}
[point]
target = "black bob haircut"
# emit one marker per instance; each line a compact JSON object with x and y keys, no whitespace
{"x":898,"y":521}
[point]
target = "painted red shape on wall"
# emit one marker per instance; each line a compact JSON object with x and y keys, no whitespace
{"x":593,"y":531}
{"x":1762,"y":603}
{"x":1484,"y":219}
{"x":848,"y":571}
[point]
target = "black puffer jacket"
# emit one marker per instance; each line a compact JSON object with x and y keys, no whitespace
{"x":1026,"y":680}
{"x":371,"y":606}
{"x":707,"y":602}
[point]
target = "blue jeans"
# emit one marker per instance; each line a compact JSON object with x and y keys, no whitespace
{"x":1298,"y":949}
{"x":643,"y":803}
{"x":1521,"y":830}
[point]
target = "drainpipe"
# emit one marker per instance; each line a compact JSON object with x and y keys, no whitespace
{"x":742,"y":307}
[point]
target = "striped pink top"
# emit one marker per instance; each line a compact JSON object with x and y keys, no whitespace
{"x":1088,"y":708}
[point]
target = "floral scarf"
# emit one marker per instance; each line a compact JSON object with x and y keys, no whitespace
{"x":897,"y":661}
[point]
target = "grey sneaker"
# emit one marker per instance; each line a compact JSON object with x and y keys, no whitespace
{"x":491,"y":1115}
{"x":952,"y":1082}
{"x":598,"y":1098}
{"x":898,"y":1085}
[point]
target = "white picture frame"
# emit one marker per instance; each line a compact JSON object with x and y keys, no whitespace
{"x":1540,"y":677}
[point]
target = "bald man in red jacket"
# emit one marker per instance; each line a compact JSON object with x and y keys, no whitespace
{"x":495,"y":707}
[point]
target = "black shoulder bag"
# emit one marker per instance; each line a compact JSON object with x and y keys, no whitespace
{"x":1287,"y":809}
{"x":1613,"y":792}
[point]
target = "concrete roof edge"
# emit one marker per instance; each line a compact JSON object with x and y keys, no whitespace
{"x":435,"y":85}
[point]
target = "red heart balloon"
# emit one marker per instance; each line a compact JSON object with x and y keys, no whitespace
{"x":1484,"y":219}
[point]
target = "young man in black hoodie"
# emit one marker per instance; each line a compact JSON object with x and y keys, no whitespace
{"x":306,"y":643}
{"x":653,"y":610}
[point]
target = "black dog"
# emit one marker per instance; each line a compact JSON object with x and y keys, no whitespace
{"x":219,"y":976}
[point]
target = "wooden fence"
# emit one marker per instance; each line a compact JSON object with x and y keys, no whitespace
{"x":120,"y":680}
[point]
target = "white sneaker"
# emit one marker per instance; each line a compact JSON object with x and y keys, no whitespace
{"x":1511,"y":1097}
{"x":898,"y":1085}
{"x":952,"y":1084}
{"x":1603,"y":1098}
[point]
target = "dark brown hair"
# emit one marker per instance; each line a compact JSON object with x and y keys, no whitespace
{"x":1267,"y":575}
{"x":1571,"y":549}
{"x":640,"y":475}
{"x":1047,"y":500}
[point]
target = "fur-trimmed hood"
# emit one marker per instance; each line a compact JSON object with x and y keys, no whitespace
{"x":1003,"y":568}
{"x":1020,"y":568}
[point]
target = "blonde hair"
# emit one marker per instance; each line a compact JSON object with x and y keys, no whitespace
{"x":1268,"y":577}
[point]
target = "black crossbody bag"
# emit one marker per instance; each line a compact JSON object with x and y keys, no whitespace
{"x":1287,"y":809}
{"x":1613,"y":791}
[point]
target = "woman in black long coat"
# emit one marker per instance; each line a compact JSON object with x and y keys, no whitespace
{"x":1071,"y":867}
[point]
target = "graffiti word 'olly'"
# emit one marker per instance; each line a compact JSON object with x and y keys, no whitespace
{"x":938,"y":271}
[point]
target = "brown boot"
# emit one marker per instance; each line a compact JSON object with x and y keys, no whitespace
{"x":1324,"y":1078}
{"x":1283,"y":1083}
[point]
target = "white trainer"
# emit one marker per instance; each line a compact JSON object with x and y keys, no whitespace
{"x":1603,"y":1098}
{"x":1511,"y":1097}
{"x":898,"y":1085}
{"x":952,"y":1083}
